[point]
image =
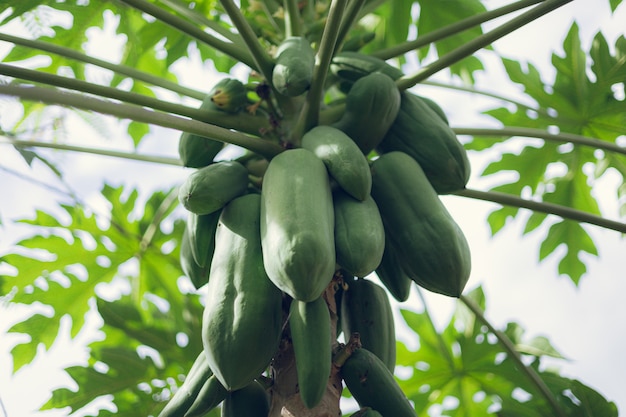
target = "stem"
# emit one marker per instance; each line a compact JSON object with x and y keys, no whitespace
{"x":93,"y":151}
{"x":243,"y":122}
{"x":293,"y":26}
{"x":235,"y":51}
{"x":262,"y":60}
{"x":350,"y":16}
{"x":508,"y":345}
{"x":324,"y":56}
{"x":539,"y":133}
{"x":117,"y":68}
{"x":128,"y":111}
{"x":451,"y":29}
{"x":479,"y":43}
{"x":543,"y":207}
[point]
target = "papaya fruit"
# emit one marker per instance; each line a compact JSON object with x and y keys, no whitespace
{"x":209,"y":188}
{"x":429,"y":244}
{"x":199,"y":275}
{"x":434,"y":106}
{"x":187,"y":393}
{"x":359,"y":234}
{"x":249,"y":401}
{"x":372,"y":385}
{"x":420,"y":132}
{"x":239,"y":294}
{"x":297,"y":224}
{"x":365,"y":309}
{"x":391,"y":275}
{"x":210,"y":396}
{"x":293,"y":70}
{"x":351,"y":65}
{"x":197,"y":151}
{"x":229,"y":95}
{"x":309,"y":324}
{"x":344,"y":160}
{"x":202,"y":236}
{"x":358,"y":41}
{"x":372,"y":105}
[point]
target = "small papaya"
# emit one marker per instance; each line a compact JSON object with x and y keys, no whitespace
{"x":210,"y":396}
{"x":249,"y":401}
{"x":391,"y":274}
{"x":293,"y":71}
{"x":197,"y":151}
{"x":201,"y":229}
{"x":199,"y":275}
{"x":352,"y":65}
{"x":229,"y":95}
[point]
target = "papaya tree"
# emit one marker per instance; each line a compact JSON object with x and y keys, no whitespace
{"x":309,"y":174}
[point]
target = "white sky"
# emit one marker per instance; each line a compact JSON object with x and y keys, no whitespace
{"x":585,"y":323}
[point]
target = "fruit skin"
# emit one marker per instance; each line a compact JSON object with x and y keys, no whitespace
{"x":209,"y":188}
{"x":293,"y":71}
{"x":196,"y":151}
{"x":372,"y":385}
{"x":351,"y":66}
{"x":391,"y":275}
{"x":229,"y":95}
{"x":421,"y":133}
{"x":199,"y":275}
{"x":242,"y":320}
{"x":202,"y":236}
{"x":365,"y":309}
{"x":188,"y":391}
{"x":309,"y":324}
{"x":429,"y":244}
{"x":434,"y":106}
{"x":372,"y":105}
{"x":359,"y":234}
{"x":210,"y":396}
{"x":297,"y":224}
{"x":249,"y":401}
{"x":343,"y":159}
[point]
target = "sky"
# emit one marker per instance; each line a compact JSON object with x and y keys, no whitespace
{"x":584,"y":323}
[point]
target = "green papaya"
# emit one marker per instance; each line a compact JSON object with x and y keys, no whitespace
{"x":391,"y":275}
{"x":242,"y":320}
{"x":351,"y":66}
{"x":187,"y":393}
{"x":358,"y":41}
{"x":209,"y":188}
{"x":293,"y":70}
{"x":422,"y":134}
{"x":196,"y":151}
{"x":210,"y":396}
{"x":429,"y":244}
{"x":372,"y":105}
{"x":229,"y":95}
{"x":201,"y":229}
{"x":309,"y":324}
{"x":434,"y":106}
{"x":249,"y":401}
{"x":199,"y":275}
{"x":359,"y":234}
{"x":297,"y":224}
{"x":372,"y":385}
{"x":365,"y":309}
{"x":344,"y":160}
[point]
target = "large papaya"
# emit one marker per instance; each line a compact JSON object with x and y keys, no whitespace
{"x":293,"y":71}
{"x":344,"y":160}
{"x":365,"y":309}
{"x":372,"y":105}
{"x":249,"y":401}
{"x":420,"y":132}
{"x":429,"y":244}
{"x":309,"y":324}
{"x":297,"y":224}
{"x":372,"y":385}
{"x":359,"y":234}
{"x":239,"y":294}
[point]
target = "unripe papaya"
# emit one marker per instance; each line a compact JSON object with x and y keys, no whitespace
{"x":391,"y":274}
{"x":309,"y":324}
{"x":202,"y":236}
{"x":229,"y":95}
{"x":187,"y":393}
{"x":210,"y":396}
{"x":209,"y":188}
{"x":293,"y":71}
{"x":297,"y":224}
{"x":196,"y":151}
{"x":372,"y":105}
{"x":372,"y":385}
{"x":239,"y":294}
{"x":359,"y":234}
{"x":429,"y":244}
{"x":420,"y":132}
{"x":365,"y":309}
{"x":199,"y":275}
{"x":343,"y":159}
{"x":351,"y":66}
{"x":249,"y":401}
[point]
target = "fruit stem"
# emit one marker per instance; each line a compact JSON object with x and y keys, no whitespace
{"x":543,"y":207}
{"x":350,"y":17}
{"x":342,"y":352}
{"x":479,"y":42}
{"x":508,"y":345}
{"x":293,"y":25}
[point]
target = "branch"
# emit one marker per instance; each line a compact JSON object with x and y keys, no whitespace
{"x":235,"y":51}
{"x":293,"y":26}
{"x":479,"y":43}
{"x":451,"y":30}
{"x":116,"y":68}
{"x":543,"y":207}
{"x":350,"y":17}
{"x":508,"y":345}
{"x":128,"y":111}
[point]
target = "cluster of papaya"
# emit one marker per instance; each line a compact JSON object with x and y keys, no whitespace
{"x":268,"y":238}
